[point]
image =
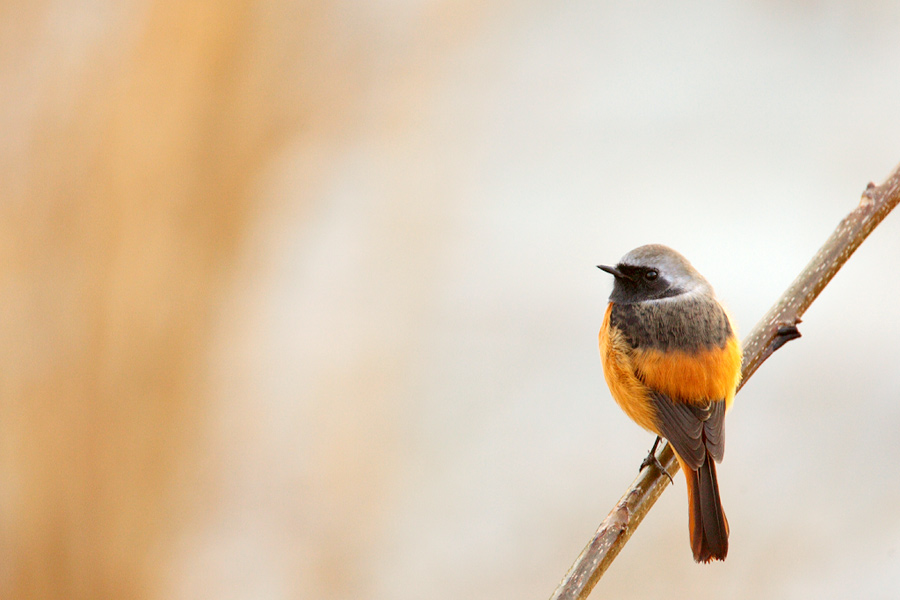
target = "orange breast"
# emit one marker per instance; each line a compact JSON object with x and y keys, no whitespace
{"x":692,"y":377}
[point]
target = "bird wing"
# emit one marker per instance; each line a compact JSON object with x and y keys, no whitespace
{"x":693,"y":429}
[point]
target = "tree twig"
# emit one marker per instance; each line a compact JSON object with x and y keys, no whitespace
{"x":776,"y":328}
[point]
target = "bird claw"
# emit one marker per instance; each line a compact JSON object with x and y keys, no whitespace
{"x":652,"y":460}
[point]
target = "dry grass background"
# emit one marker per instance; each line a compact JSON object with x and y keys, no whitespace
{"x":139,"y":136}
{"x":247,"y":324}
{"x":135,"y":134}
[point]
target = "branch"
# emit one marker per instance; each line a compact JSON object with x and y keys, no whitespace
{"x":778,"y":327}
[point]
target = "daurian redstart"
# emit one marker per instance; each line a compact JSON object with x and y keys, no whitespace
{"x":672,"y":362}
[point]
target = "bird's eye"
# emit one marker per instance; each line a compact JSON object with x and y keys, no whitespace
{"x":651,"y":275}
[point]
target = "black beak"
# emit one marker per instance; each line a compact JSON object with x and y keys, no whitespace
{"x":613,"y":271}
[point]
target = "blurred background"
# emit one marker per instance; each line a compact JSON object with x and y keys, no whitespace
{"x":299,"y":298}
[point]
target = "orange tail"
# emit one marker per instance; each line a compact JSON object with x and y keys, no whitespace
{"x":709,"y":527}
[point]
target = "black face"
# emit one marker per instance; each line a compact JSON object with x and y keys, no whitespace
{"x":634,"y":284}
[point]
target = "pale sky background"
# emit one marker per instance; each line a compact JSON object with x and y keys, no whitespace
{"x":404,"y":394}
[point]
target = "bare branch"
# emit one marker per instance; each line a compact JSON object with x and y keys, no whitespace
{"x":776,"y":328}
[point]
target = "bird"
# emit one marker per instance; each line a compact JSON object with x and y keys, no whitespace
{"x":672,"y":362}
